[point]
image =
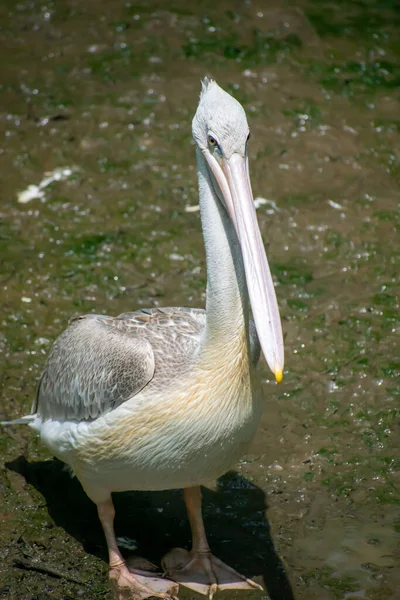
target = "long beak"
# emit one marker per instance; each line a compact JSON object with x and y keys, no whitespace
{"x":233,"y":180}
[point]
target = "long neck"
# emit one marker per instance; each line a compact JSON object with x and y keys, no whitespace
{"x":227,"y":312}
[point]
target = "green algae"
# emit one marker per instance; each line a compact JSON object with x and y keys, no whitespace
{"x":263,"y":48}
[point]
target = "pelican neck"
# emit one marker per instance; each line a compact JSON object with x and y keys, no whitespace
{"x":227,"y":305}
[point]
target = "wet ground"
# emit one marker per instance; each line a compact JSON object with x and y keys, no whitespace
{"x":108,"y":91}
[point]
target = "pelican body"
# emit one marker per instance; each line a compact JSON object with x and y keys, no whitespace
{"x":178,"y":431}
{"x":166,"y":398}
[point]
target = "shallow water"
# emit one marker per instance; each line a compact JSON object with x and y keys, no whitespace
{"x":109,"y":91}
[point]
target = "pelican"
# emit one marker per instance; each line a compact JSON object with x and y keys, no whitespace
{"x":166,"y":398}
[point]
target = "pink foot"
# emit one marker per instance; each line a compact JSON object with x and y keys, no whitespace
{"x":204,"y":573}
{"x":139,"y":579}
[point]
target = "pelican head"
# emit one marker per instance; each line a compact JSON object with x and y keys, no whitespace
{"x":221,"y":132}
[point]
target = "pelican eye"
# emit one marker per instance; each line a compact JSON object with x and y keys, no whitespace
{"x":212,"y":141}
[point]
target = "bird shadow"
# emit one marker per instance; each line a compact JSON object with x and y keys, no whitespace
{"x":234,"y":515}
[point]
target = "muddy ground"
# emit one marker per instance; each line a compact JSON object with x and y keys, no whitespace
{"x":108,"y":90}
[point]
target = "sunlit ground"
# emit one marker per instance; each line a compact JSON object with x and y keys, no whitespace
{"x":109,"y":90}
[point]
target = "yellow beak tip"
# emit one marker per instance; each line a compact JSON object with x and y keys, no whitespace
{"x":278,"y":375}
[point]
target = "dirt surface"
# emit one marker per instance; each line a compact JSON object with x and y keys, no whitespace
{"x":108,"y":91}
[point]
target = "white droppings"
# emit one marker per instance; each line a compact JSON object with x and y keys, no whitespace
{"x":349,"y":129}
{"x":31,"y":192}
{"x":335,"y":205}
{"x":42,"y":341}
{"x":259,"y":201}
{"x":275,"y":466}
{"x":174,"y":256}
{"x":36,"y":191}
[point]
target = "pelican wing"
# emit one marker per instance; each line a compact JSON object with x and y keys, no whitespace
{"x":92,"y":368}
{"x":99,"y":362}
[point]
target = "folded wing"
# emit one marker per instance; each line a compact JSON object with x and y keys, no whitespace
{"x":92,"y":368}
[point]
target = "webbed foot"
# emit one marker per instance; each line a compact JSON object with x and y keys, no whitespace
{"x":204,"y":573}
{"x":138,"y":579}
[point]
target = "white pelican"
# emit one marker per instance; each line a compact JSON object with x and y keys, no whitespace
{"x":165,"y":398}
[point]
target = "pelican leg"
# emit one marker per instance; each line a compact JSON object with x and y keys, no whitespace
{"x":198,"y":569}
{"x":137,"y":581}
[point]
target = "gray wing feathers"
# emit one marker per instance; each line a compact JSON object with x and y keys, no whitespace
{"x":99,"y":362}
{"x":92,"y":368}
